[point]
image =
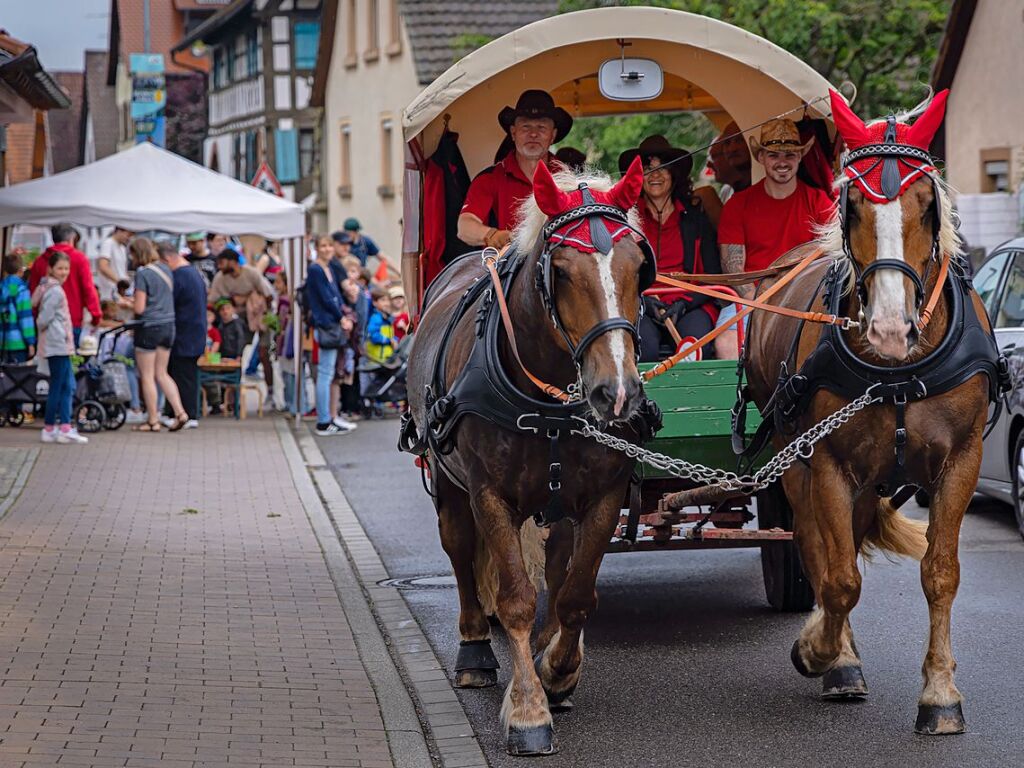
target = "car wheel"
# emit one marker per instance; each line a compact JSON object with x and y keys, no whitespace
{"x":1018,"y":483}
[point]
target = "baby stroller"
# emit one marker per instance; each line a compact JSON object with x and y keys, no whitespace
{"x":102,"y":388}
{"x":384,"y":383}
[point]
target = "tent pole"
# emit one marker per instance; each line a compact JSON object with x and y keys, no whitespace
{"x":296,"y":260}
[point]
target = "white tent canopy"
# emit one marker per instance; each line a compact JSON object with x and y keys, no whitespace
{"x":146,"y":187}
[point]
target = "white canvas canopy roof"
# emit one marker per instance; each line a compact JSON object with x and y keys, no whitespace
{"x":146,"y":187}
{"x":709,"y":66}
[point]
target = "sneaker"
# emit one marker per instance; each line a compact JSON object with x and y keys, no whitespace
{"x":135,"y":417}
{"x":167,"y":421}
{"x":331,"y":429}
{"x":191,"y":424}
{"x":71,"y":436}
{"x":343,"y":423}
{"x":48,"y":436}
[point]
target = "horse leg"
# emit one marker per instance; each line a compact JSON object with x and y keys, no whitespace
{"x":940,"y":710}
{"x":524,"y":712}
{"x":827,"y":538}
{"x":475,"y":664}
{"x":556,"y":564}
{"x":560,"y":662}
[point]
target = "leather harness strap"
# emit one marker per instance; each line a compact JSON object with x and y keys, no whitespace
{"x":490,"y":261}
{"x":926,"y":313}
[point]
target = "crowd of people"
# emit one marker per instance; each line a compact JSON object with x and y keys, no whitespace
{"x":207,"y":304}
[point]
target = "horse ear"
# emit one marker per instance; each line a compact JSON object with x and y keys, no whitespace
{"x":627,"y":191}
{"x":850,"y":127}
{"x":550,"y":199}
{"x":924,"y":128}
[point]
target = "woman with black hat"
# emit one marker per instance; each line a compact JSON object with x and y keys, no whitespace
{"x":683,"y":240}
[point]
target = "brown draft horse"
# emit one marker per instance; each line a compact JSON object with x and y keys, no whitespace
{"x":494,"y":479}
{"x":841,"y":498}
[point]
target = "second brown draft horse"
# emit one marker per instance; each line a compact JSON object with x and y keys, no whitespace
{"x":500,"y":451}
{"x":894,"y":237}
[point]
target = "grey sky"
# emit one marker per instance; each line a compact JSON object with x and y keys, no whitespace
{"x":61,"y":30}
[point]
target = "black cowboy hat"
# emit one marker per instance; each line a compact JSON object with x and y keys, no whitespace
{"x":658,"y":146}
{"x":533,"y":104}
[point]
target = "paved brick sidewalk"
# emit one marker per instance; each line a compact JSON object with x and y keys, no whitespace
{"x":164,"y":602}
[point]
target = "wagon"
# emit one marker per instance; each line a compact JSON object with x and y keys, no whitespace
{"x":616,"y":61}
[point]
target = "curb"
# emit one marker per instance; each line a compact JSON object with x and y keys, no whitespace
{"x":401,"y":723}
{"x":450,"y":734}
{"x":28,"y":462}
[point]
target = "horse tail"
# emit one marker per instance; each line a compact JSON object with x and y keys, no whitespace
{"x":531,"y":540}
{"x":895,"y":533}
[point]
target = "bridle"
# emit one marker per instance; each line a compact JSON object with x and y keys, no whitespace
{"x":891,"y":155}
{"x":558,"y":232}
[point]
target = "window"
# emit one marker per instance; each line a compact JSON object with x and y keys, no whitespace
{"x":220,"y":67}
{"x":372,"y":30}
{"x":236,"y":150}
{"x":351,"y":46}
{"x":387,"y":179}
{"x":394,"y":29}
{"x":986,"y":281}
{"x":345,"y":161}
{"x":307,"y":152}
{"x":252,"y":54}
{"x":307,"y":38}
{"x":995,"y":170}
{"x":1011,"y":307}
{"x":229,"y":67}
{"x":244,"y":146}
{"x":241,"y":58}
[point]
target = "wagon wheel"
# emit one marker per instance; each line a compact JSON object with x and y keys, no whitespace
{"x":116,"y":415}
{"x":90,"y":416}
{"x":785,"y":584}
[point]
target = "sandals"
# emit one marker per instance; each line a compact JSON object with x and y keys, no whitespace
{"x":150,"y":426}
{"x":180,"y":421}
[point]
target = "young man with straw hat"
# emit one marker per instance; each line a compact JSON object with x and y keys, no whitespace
{"x":769,"y":218}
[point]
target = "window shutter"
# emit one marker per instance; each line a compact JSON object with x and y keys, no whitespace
{"x":307,"y":38}
{"x":287,"y":150}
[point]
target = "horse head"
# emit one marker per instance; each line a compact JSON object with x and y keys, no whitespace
{"x":591,"y":266}
{"x":895,"y":220}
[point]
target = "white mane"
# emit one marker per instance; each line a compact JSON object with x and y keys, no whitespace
{"x":530,"y":219}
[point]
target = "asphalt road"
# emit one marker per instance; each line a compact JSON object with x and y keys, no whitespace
{"x":687,"y":666}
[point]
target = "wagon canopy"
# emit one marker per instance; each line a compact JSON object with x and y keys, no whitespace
{"x":708,"y":65}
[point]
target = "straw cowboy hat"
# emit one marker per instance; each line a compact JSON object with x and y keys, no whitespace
{"x":779,"y":135}
{"x":659,"y":147}
{"x":534,"y":104}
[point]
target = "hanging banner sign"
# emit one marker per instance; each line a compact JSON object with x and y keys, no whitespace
{"x":149,"y":97}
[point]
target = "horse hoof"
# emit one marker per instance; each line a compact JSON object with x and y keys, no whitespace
{"x":557,"y":702}
{"x":535,"y":740}
{"x":933,"y":720}
{"x":798,"y":662}
{"x":844,"y":683}
{"x":476,"y":678}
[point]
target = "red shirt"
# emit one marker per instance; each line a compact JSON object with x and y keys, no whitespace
{"x":79,"y":287}
{"x":499,"y":190}
{"x":666,"y":238}
{"x":767,"y":227}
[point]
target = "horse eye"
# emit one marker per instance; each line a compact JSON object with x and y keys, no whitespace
{"x":560,"y":274}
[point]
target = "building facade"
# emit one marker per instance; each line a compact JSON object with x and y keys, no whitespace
{"x":981,"y":61}
{"x":261,"y":56}
{"x":376,"y":56}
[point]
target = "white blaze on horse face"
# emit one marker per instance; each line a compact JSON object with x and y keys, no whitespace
{"x":616,"y":339}
{"x":889,"y":326}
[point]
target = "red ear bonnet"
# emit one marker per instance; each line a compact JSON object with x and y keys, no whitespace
{"x":850,"y":127}
{"x":927,"y":125}
{"x":550,"y":199}
{"x":627,"y":191}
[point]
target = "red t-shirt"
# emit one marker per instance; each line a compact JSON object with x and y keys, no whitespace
{"x":500,"y":189}
{"x":666,"y":238}
{"x":79,"y":287}
{"x":767,"y":227}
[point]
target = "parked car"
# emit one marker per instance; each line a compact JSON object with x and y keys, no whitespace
{"x":1000,"y":283}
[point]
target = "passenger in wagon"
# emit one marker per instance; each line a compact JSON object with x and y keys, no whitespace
{"x":771,"y":217}
{"x":533,"y":125}
{"x":729,"y":160}
{"x":683,"y":240}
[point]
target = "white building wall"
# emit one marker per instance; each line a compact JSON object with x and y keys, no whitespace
{"x":362,"y":96}
{"x":988,"y":220}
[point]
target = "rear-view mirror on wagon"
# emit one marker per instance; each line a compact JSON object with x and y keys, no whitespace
{"x":630,"y":79}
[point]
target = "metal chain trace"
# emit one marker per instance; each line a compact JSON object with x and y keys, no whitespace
{"x":801,"y":448}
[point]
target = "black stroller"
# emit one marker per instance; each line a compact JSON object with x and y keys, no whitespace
{"x":102,"y":389}
{"x":21,"y":384}
{"x":383,"y":384}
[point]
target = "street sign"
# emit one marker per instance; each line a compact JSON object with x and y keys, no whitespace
{"x":267,"y":181}
{"x":149,"y":96}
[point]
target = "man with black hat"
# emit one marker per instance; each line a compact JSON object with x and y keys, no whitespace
{"x":533,"y":125}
